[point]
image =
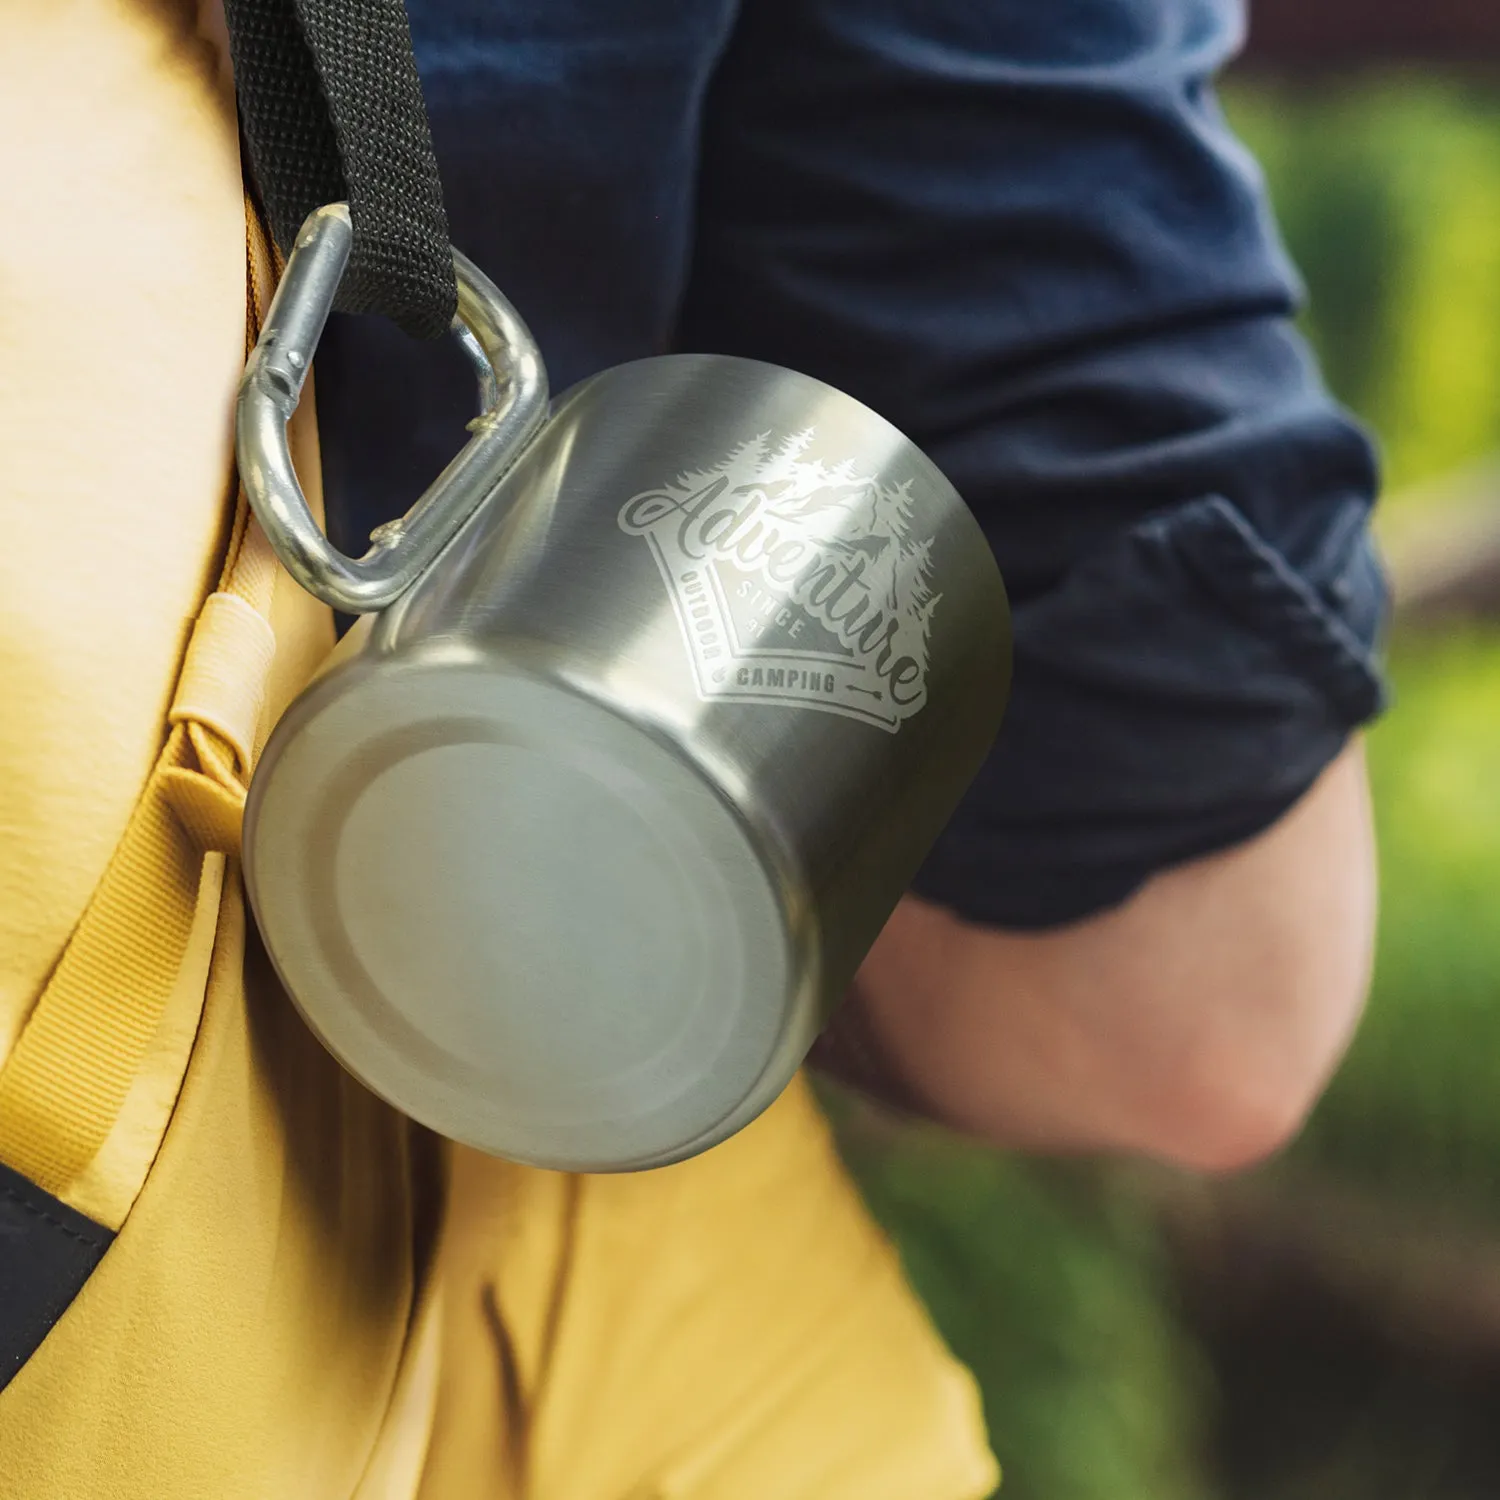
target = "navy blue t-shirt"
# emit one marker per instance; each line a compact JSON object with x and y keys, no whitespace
{"x":1020,"y":230}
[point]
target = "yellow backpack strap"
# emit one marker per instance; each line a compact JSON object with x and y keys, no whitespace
{"x":66,"y":1079}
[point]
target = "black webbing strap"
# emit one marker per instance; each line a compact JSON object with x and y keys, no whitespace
{"x":332,"y":110}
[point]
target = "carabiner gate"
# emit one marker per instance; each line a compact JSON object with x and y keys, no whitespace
{"x":513,"y":396}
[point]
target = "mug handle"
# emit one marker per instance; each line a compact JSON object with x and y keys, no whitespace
{"x":513,"y":397}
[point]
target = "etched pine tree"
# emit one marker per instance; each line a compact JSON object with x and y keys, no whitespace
{"x":914,"y":599}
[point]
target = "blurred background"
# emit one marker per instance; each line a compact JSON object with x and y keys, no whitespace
{"x":1328,"y":1326}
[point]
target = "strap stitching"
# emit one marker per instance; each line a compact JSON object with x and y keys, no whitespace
{"x":56,"y":1223}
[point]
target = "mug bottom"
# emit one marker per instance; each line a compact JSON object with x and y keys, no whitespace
{"x":521,"y":918}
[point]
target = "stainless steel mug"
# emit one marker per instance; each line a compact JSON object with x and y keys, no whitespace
{"x":573,"y":843}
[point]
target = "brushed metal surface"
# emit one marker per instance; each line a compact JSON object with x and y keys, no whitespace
{"x":546,"y":576}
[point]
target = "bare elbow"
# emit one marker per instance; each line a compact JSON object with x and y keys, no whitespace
{"x":1247,"y":1098}
{"x":1239,"y":1128}
{"x":1279,"y":974}
{"x":1197,"y":1023}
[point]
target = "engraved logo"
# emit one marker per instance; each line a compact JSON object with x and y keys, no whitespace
{"x":795,"y":582}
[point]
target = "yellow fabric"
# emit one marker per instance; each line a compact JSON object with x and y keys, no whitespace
{"x":308,"y":1296}
{"x":86,"y":1039}
{"x":731,"y":1328}
{"x":223,"y":676}
{"x":84,"y":1043}
{"x":122,"y":315}
{"x":63,"y":1086}
{"x":107,"y":1187}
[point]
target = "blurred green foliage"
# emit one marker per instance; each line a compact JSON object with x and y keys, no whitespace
{"x":1388,"y":195}
{"x":1416,"y":1105}
{"x":1050,"y":1283}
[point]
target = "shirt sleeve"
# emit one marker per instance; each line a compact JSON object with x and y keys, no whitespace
{"x":1024,"y":233}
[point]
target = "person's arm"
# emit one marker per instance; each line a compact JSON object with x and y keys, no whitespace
{"x":1025,"y":234}
{"x":1195,"y":1023}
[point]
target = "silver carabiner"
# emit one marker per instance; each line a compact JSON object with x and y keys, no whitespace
{"x":513,"y":395}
